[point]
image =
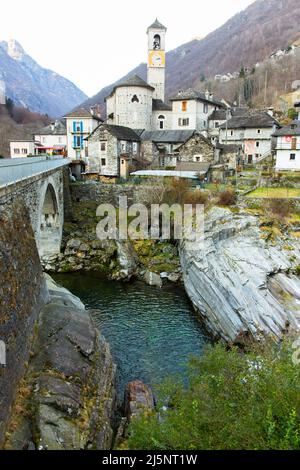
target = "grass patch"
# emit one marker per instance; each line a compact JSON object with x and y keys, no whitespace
{"x":274,"y":193}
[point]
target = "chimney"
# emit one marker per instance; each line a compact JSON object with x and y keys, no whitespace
{"x":207,"y":94}
{"x":211,"y":96}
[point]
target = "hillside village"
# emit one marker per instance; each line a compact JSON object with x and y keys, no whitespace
{"x":194,"y":132}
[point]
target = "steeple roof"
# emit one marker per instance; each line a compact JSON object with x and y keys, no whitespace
{"x":157,"y":25}
{"x":133,"y":80}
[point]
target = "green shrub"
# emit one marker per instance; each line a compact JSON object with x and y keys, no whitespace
{"x":233,"y":401}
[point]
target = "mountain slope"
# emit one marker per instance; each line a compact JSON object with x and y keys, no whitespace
{"x":247,"y":38}
{"x":30,"y":85}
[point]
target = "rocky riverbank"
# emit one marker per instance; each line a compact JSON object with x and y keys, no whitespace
{"x":67,"y":398}
{"x":242,"y":281}
{"x":148,"y":260}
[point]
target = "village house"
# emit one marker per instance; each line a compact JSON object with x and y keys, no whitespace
{"x":79,"y":125}
{"x":111,"y":151}
{"x":23,"y":148}
{"x":288,"y":147}
{"x":191,"y":109}
{"x":253,"y":132}
{"x":52,"y":139}
{"x":197,"y":149}
{"x":159,"y":148}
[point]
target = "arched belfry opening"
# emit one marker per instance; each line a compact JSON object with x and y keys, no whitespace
{"x":50,"y":224}
{"x":157,"y":42}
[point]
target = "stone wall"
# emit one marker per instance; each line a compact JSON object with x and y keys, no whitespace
{"x":108,"y":193}
{"x":197,"y":146}
{"x":32,"y":192}
{"x":23,"y":293}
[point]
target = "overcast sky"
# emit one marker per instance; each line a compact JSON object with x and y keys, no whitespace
{"x":95,"y":42}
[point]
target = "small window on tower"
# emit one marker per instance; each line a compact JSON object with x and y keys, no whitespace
{"x":184,"y":106}
{"x":135,"y":99}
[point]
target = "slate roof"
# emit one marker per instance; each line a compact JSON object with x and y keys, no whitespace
{"x":218,"y":115}
{"x":120,"y":132}
{"x":159,"y":105}
{"x":55,"y":128}
{"x":167,"y":137}
{"x":228,"y":148}
{"x":157,"y":25}
{"x":81,"y":113}
{"x":133,"y":80}
{"x":257,"y":120}
{"x":196,"y":95}
{"x":290,"y":130}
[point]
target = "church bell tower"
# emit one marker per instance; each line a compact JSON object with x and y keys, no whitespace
{"x":157,"y":58}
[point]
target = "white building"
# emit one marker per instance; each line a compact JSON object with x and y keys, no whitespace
{"x":79,"y":125}
{"x":52,"y":139}
{"x":253,"y":132}
{"x":22,"y":148}
{"x":288,"y":147}
{"x":191,"y":109}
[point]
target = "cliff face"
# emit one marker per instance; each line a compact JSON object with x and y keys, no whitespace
{"x":242,"y":287}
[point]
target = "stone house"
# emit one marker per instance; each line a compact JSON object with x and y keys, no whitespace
{"x":197,"y":149}
{"x":160,"y":148}
{"x":107,"y":145}
{"x":230,"y":155}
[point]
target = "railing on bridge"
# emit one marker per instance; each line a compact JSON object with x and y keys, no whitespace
{"x":17,"y":169}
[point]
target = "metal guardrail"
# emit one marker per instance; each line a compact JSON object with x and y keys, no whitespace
{"x":19,"y":169}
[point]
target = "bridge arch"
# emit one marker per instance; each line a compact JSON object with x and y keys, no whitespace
{"x":50,"y":221}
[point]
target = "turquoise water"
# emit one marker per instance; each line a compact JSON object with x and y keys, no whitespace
{"x":152,"y":332}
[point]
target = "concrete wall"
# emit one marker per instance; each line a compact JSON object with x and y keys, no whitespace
{"x":22,"y":295}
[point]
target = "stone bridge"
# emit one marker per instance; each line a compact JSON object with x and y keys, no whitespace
{"x":39,"y":183}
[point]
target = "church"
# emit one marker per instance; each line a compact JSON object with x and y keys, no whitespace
{"x":138,"y":104}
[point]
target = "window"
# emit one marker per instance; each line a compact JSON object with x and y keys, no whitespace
{"x":16,"y":151}
{"x":103,"y":161}
{"x":231,"y":133}
{"x":198,"y":158}
{"x":24,"y":151}
{"x":134,"y":147}
{"x":103,"y":146}
{"x":205,"y":108}
{"x":292,"y":156}
{"x":161,"y":123}
{"x":77,"y":141}
{"x":258,"y":131}
{"x":77,"y":126}
{"x":183,"y":122}
{"x":257,"y":144}
{"x":123,"y":146}
{"x":184,"y":106}
{"x":217,"y":124}
{"x":294,"y":143}
{"x":135,"y":99}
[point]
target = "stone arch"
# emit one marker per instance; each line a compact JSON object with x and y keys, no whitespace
{"x":50,"y":222}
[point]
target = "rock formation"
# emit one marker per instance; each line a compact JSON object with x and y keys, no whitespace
{"x":70,"y":382}
{"x":242,"y":286}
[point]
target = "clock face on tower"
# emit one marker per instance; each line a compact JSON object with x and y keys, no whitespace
{"x":157,"y":59}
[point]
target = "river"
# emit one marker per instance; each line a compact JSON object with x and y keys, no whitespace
{"x":152,"y":332}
